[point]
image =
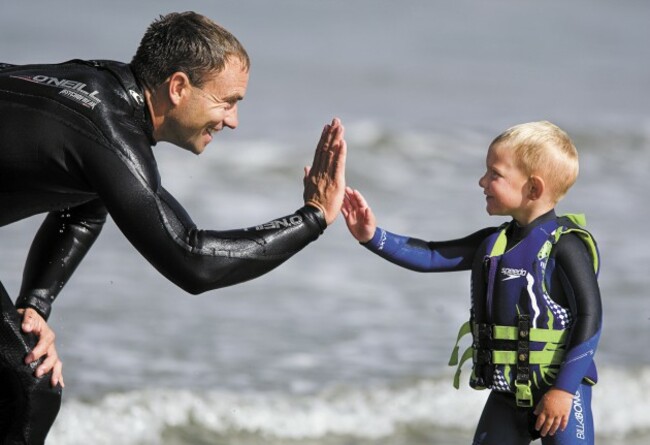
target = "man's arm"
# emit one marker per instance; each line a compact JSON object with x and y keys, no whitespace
{"x":200,"y":260}
{"x":60,"y":244}
{"x":162,"y":231}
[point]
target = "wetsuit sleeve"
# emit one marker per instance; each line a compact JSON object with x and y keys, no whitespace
{"x":59,"y":246}
{"x":427,"y":256}
{"x":196,"y":260}
{"x":580,"y":285}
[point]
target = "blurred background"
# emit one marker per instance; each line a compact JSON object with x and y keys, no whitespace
{"x":338,"y":346}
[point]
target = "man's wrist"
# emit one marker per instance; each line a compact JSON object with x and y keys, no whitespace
{"x":39,"y":304}
{"x":315,"y":214}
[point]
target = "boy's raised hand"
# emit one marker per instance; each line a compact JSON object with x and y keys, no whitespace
{"x":358,"y":216}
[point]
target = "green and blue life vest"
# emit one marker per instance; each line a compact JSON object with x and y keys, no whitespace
{"x":519,"y":334}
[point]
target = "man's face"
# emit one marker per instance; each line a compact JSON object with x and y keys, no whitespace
{"x":200,"y":112}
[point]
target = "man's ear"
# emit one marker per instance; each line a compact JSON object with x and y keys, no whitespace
{"x":179,"y":86}
{"x":536,"y":187}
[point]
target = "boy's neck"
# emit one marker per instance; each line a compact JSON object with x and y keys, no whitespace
{"x":516,"y":232}
{"x":539,"y":220}
{"x":531,"y":215}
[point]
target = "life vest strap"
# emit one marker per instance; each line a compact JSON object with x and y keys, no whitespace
{"x":534,"y":357}
{"x":465,"y":329}
{"x":551,"y":355}
{"x":536,"y":335}
{"x":469,"y":353}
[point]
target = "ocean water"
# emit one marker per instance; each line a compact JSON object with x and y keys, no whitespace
{"x":338,"y":346}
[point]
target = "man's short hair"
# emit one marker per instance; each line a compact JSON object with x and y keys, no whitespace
{"x":187,"y":42}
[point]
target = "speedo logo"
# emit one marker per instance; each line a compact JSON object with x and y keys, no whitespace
{"x":281,"y":223}
{"x":69,"y":88}
{"x":511,"y":274}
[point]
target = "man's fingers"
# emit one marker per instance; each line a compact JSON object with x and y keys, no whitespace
{"x":31,"y":321}
{"x":45,"y":340}
{"x":323,"y":147}
{"x":330,"y":138}
{"x":52,"y":363}
{"x":340,"y":159}
{"x":47,"y":365}
{"x":57,"y":374}
{"x":35,"y":324}
{"x":322,"y":163}
{"x":325,"y":181}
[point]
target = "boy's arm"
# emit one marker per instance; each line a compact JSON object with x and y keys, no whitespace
{"x":580,"y":284}
{"x":427,"y":256}
{"x":575,"y":268}
{"x":411,"y":253}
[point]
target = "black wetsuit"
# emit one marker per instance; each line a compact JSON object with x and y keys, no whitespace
{"x":75,"y":142}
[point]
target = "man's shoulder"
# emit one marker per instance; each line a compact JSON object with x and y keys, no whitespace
{"x":78,"y":83}
{"x":102,"y":96}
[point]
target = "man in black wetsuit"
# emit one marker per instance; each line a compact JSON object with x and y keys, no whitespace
{"x":75,"y":142}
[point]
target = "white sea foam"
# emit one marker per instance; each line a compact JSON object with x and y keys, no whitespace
{"x":621,"y":403}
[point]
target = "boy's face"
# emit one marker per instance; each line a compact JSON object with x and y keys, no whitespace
{"x":504,"y":184}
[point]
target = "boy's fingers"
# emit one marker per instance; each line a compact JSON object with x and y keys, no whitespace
{"x":564,"y":423}
{"x":554,"y":426}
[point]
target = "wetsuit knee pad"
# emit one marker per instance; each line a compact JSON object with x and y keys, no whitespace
{"x":28,"y":405}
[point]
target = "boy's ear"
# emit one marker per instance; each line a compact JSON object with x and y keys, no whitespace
{"x":535,"y":187}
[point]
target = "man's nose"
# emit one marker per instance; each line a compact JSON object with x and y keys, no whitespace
{"x":232,"y":118}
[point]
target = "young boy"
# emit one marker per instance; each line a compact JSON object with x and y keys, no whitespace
{"x":535,"y":314}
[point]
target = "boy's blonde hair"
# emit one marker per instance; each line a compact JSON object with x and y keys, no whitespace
{"x":543,"y":149}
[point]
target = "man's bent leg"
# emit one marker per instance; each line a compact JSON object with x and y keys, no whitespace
{"x":28,"y":405}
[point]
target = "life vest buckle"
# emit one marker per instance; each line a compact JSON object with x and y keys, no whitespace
{"x":524,"y":395}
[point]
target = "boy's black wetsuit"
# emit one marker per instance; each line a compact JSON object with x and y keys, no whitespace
{"x":75,"y":142}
